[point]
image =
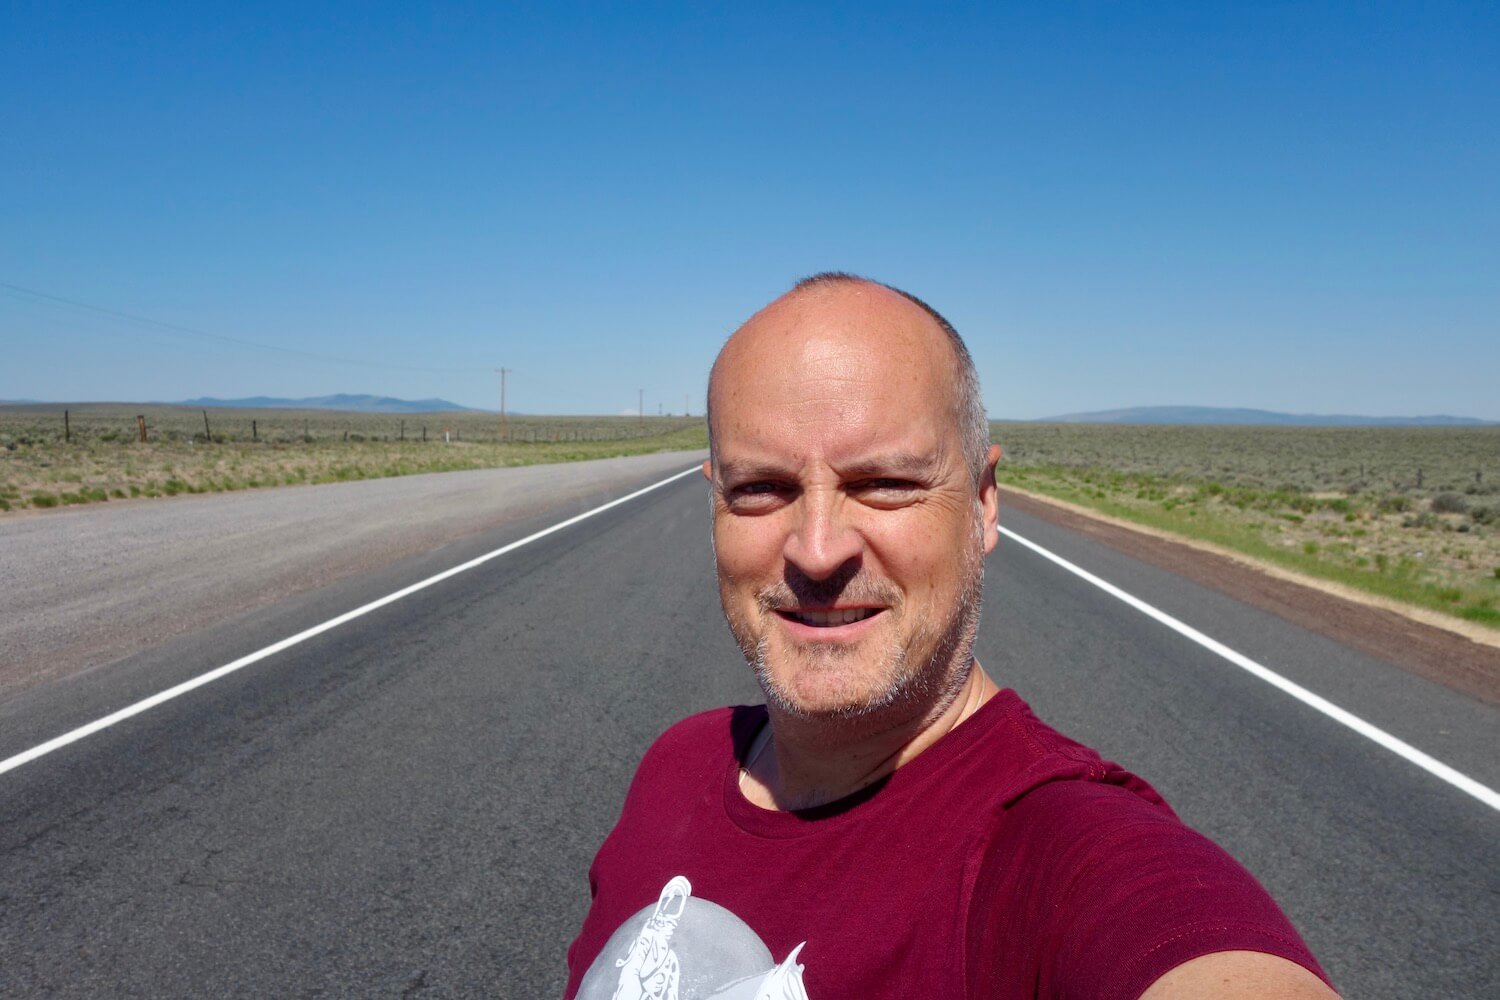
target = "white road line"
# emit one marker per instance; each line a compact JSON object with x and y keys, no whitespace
{"x":1399,"y":747}
{"x":57,"y":743}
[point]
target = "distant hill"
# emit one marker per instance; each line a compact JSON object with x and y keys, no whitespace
{"x":342,"y":401}
{"x":1224,"y":415}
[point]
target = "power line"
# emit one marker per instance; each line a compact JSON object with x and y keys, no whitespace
{"x":222,"y":338}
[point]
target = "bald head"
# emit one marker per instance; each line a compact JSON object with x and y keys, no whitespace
{"x":833,"y":326}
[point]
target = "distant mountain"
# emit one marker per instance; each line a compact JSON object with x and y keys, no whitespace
{"x":342,"y":401}
{"x":1224,"y":415}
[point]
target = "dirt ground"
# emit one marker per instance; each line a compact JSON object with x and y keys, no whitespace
{"x":1461,"y":655}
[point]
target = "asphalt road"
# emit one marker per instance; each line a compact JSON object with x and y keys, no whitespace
{"x":87,"y":585}
{"x":407,"y":804}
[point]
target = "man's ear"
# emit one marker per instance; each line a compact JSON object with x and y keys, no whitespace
{"x":708,"y":469}
{"x":989,"y":499}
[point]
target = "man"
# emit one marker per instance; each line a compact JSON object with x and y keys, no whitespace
{"x":891,"y":823}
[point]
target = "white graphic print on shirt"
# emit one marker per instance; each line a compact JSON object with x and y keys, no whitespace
{"x":685,"y":948}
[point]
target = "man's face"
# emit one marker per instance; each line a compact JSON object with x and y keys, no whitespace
{"x":848,"y":533}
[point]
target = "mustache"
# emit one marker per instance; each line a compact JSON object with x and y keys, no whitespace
{"x":852,"y":587}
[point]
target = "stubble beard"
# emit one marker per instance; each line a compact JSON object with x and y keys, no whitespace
{"x":931,"y":685}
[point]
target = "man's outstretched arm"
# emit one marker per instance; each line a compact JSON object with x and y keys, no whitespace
{"x":1239,"y":975}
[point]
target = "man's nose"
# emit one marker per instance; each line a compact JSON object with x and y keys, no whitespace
{"x":822,"y":540}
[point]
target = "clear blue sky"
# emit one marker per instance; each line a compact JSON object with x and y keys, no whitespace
{"x":1290,"y":206}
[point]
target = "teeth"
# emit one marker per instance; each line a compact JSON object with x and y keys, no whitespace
{"x":840,"y":616}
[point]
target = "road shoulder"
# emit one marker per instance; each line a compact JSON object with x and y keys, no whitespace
{"x":1460,"y":655}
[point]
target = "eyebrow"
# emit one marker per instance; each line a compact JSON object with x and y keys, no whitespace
{"x":749,"y":470}
{"x":896,"y":463}
{"x":899,"y":463}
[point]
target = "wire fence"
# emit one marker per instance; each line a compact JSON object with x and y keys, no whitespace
{"x":103,"y":424}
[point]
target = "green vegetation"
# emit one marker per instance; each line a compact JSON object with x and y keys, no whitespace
{"x":1411,"y":514}
{"x":1406,"y":513}
{"x":100,"y":456}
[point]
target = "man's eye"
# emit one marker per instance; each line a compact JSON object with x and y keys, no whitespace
{"x":755,"y":496}
{"x":884,"y":492}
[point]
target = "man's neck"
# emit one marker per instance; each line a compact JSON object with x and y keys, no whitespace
{"x":799,"y":763}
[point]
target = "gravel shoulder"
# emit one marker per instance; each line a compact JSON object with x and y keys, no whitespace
{"x":1461,"y":655}
{"x":85,"y":586}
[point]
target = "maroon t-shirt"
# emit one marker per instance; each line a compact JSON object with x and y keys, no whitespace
{"x":1004,"y":861}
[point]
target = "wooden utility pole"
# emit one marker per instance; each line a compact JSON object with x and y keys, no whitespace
{"x":502,"y":372}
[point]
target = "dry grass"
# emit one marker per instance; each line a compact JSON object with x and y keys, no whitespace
{"x":250,"y":449}
{"x":1407,"y":513}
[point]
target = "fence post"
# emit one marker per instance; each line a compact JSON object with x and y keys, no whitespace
{"x":208,"y":437}
{"x":140,"y":421}
{"x":67,"y":429}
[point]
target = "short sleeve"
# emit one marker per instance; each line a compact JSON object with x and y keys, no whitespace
{"x":1089,"y":892}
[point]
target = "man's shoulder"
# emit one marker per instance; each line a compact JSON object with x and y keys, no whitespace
{"x":1119,"y":889}
{"x":1114,"y":803}
{"x":717,"y":727}
{"x":1027,"y":761}
{"x":693,"y":750}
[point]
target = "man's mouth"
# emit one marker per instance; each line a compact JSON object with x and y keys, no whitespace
{"x":830,"y":618}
